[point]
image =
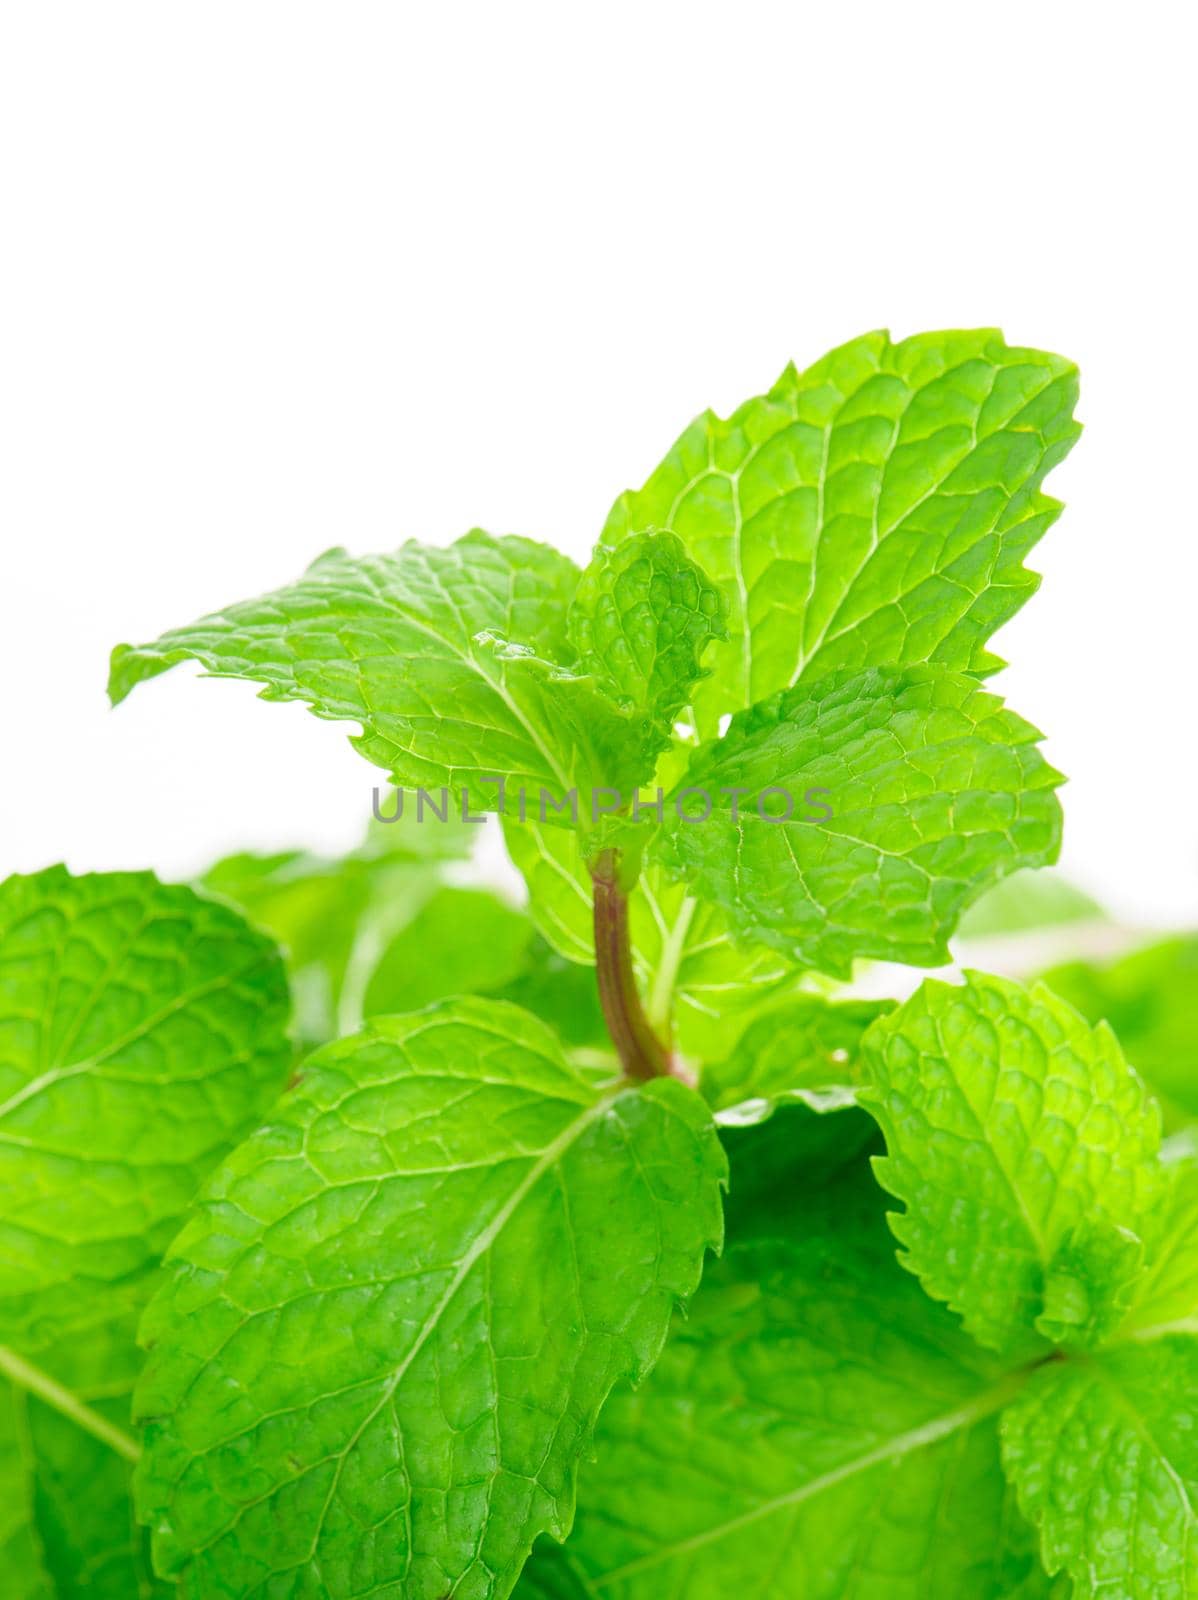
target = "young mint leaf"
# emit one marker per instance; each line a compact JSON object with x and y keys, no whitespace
{"x":1104,"y":1455}
{"x":805,"y":1049}
{"x":142,"y":1032}
{"x":453,"y":662}
{"x":696,"y":980}
{"x":936,"y":791}
{"x":640,"y":621}
{"x":402,"y":1305}
{"x":815,"y":1427}
{"x":1147,"y":996}
{"x":1014,"y":1132}
{"x":876,"y":508}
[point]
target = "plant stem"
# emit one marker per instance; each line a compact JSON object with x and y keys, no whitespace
{"x":673,"y":944}
{"x":641,"y":1052}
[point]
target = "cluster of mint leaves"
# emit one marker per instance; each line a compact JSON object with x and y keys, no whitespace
{"x":405,"y":1278}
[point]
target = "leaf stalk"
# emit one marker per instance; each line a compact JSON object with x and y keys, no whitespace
{"x":641,"y":1052}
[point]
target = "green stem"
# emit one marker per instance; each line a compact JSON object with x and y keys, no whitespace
{"x":661,"y":995}
{"x":641,"y":1052}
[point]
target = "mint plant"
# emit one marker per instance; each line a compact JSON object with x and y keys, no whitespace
{"x":407,"y":1283}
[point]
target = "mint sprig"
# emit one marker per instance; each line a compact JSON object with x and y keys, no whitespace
{"x":425,"y":1316}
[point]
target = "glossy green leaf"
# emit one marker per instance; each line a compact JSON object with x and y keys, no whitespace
{"x":142,"y":1032}
{"x":453,"y":661}
{"x":389,"y":1328}
{"x":1104,"y":1455}
{"x":875,"y":509}
{"x":1020,"y":1143}
{"x":816,"y":1427}
{"x":858,"y":816}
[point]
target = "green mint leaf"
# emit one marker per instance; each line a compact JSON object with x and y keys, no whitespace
{"x":876,"y":508}
{"x":698,"y":983}
{"x":1091,"y":1283}
{"x":935,"y":791}
{"x":142,"y":1033}
{"x":550,"y":1575}
{"x":378,"y":930}
{"x":331,"y":917}
{"x":815,"y":1427}
{"x":461,"y":941}
{"x":562,"y":994}
{"x":402,"y":1304}
{"x":805,"y":1049}
{"x":1147,"y":996}
{"x":1166,"y":1296}
{"x":76,"y":1450}
{"x":640,"y":622}
{"x":23,"y":1574}
{"x":794,"y":1150}
{"x":1019,"y":1141}
{"x":1104,"y":1455}
{"x":452,"y":660}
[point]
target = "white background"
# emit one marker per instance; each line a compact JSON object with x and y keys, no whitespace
{"x":278,"y":277}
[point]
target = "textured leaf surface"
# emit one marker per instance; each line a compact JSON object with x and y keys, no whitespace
{"x":640,"y":622}
{"x":451,"y":660}
{"x":1148,"y":997}
{"x":876,"y":508}
{"x":936,"y":792}
{"x":1020,"y":1142}
{"x":806,"y":1049}
{"x":816,"y":1427}
{"x":1105,"y":1458}
{"x":695,"y":978}
{"x":389,"y":1329}
{"x":142,"y":1032}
